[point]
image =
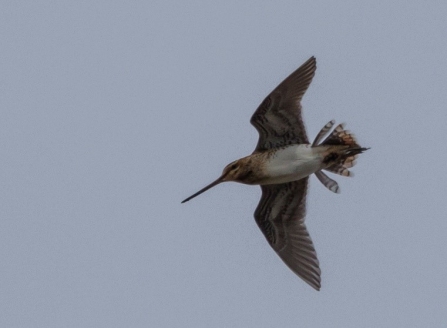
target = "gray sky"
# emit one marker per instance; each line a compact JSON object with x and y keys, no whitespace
{"x":113,"y":112}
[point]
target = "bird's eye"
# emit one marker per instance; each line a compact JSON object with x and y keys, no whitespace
{"x":234,"y":166}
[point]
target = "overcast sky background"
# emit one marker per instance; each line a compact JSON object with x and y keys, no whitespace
{"x":111,"y":113}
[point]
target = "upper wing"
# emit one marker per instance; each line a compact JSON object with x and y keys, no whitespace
{"x":278,"y":118}
{"x":280,"y":216}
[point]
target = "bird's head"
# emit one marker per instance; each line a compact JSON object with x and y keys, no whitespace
{"x":235,"y":171}
{"x":238,"y":171}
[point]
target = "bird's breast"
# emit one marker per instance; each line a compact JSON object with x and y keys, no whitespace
{"x":291,"y":163}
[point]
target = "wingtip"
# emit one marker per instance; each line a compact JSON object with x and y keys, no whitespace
{"x":314,"y":284}
{"x":311,"y":62}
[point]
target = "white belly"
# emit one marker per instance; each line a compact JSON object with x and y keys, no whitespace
{"x":293,"y":163}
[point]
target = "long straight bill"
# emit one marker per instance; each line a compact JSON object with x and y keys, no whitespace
{"x":211,"y":185}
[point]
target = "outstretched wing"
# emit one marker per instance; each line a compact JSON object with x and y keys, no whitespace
{"x":278,"y":118}
{"x":280,"y":216}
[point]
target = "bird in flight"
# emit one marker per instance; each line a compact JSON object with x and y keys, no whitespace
{"x":282,"y":163}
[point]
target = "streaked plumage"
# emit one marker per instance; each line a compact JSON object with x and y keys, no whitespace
{"x":281,"y":164}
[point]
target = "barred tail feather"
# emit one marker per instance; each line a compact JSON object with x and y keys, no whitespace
{"x":323,"y":132}
{"x":330,"y":184}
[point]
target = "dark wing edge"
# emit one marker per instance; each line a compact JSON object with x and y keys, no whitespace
{"x":280,"y":216}
{"x":278,"y":118}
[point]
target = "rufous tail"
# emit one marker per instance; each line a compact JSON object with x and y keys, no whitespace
{"x":341,"y":154}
